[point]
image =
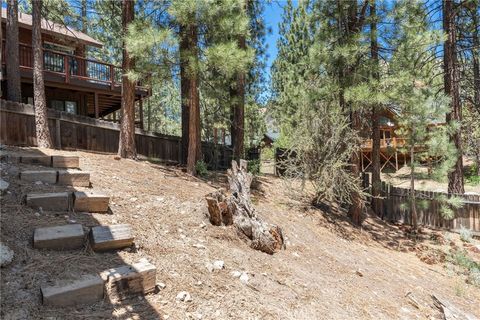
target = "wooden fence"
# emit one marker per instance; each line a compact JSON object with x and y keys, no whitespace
{"x":74,"y":132}
{"x":396,"y":208}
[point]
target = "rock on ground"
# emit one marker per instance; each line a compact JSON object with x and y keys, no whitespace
{"x":6,"y":255}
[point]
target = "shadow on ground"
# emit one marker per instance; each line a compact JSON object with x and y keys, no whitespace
{"x":32,"y":268}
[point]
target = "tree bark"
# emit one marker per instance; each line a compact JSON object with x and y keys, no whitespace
{"x":413,"y":204}
{"x":451,"y":83}
{"x":194,"y":138}
{"x":84,"y":16}
{"x":1,"y":55}
{"x":44,"y":139}
{"x":184,"y":90}
{"x":239,"y":109}
{"x":476,"y":60}
{"x":236,"y":209}
{"x":376,"y":178}
{"x":14,"y":91}
{"x":126,"y":147}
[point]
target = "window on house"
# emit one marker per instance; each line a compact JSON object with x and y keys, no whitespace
{"x":57,"y":105}
{"x":71,"y":107}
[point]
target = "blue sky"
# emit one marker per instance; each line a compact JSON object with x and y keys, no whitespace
{"x":273,"y":16}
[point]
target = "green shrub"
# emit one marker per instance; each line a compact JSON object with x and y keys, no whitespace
{"x":254,"y":166}
{"x":465,"y":234}
{"x":471,"y":176}
{"x":201,"y":168}
{"x":474,"y":277}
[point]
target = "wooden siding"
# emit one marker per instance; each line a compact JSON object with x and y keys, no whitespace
{"x":73,"y":132}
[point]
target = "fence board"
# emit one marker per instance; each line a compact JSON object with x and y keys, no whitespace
{"x":82,"y":133}
{"x":396,"y":208}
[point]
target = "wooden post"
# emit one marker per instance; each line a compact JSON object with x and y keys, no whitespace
{"x":58,"y":136}
{"x":112,"y":77}
{"x":66,"y":68}
{"x":363,"y":167}
{"x":97,"y":111}
{"x":140,"y":106}
{"x":149,"y":115}
{"x":396,"y":160}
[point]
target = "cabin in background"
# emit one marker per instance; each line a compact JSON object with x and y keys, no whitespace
{"x":73,"y":83}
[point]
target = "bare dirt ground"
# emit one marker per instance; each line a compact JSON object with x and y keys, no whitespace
{"x":329,"y":270}
{"x":423,"y":182}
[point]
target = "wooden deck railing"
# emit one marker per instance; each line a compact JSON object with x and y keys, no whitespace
{"x":71,"y":66}
{"x":367,"y":144}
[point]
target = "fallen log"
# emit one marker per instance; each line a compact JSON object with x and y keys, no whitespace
{"x":450,"y":312}
{"x":236,"y":208}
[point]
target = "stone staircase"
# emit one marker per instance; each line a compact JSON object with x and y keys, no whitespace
{"x":118,"y":282}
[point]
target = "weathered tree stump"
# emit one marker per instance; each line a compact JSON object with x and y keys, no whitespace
{"x":235,"y":208}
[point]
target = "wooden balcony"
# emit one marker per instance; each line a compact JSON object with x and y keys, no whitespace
{"x":393,"y":143}
{"x":72,"y":72}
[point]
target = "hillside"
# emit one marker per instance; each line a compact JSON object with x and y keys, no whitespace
{"x":329,"y":270}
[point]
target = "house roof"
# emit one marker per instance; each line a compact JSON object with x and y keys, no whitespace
{"x":55,"y":29}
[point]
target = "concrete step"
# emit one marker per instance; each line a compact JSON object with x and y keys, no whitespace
{"x":138,"y":278}
{"x":45,"y":176}
{"x":90,"y":201}
{"x":66,"y":237}
{"x":104,"y":238}
{"x":65,"y":162}
{"x":41,"y":160}
{"x":69,"y":162}
{"x":74,"y":178}
{"x":86,"y":290}
{"x":58,"y":201}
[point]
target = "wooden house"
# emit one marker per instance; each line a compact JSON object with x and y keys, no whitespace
{"x":392,"y":153}
{"x":74,"y":83}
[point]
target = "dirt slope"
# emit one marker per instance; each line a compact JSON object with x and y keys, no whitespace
{"x":328,"y":271}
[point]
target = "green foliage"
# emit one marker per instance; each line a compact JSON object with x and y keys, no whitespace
{"x":465,"y":234}
{"x":320,"y":155}
{"x":448,"y":206}
{"x":254,"y":166}
{"x":201,"y":168}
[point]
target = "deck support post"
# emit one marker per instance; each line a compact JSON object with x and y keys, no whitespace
{"x":140,"y":107}
{"x":362,"y":155}
{"x":97,"y":111}
{"x":58,"y":136}
{"x":396,"y":160}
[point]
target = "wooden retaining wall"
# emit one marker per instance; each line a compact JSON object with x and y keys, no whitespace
{"x":74,"y":132}
{"x":396,"y":208}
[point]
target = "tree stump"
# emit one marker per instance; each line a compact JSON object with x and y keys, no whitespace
{"x":236,"y":208}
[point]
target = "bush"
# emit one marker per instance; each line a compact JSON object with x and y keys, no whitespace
{"x":254,"y":166}
{"x":465,"y":234}
{"x":474,"y":277}
{"x":201,"y":168}
{"x":320,"y":156}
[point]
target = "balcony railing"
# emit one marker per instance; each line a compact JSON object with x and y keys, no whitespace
{"x":72,"y":67}
{"x":394,"y":143}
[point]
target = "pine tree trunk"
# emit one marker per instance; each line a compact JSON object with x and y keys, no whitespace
{"x":84,"y":16}
{"x":476,"y":60}
{"x":376,"y":178}
{"x":413,"y":204}
{"x":356,"y":207}
{"x":1,"y":55}
{"x":184,"y":90}
{"x":126,"y":147}
{"x":237,"y":95}
{"x":14,"y":92}
{"x":451,"y":82}
{"x":194,"y":139}
{"x":41,"y":120}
